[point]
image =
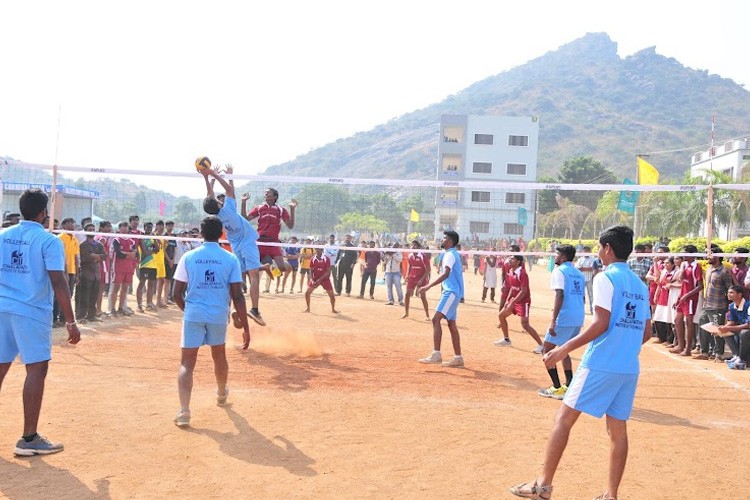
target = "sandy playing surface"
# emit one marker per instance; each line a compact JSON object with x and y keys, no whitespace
{"x":337,"y":406}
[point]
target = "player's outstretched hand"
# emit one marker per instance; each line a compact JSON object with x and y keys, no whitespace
{"x":245,"y":196}
{"x":293,"y":203}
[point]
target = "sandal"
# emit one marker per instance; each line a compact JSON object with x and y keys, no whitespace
{"x":532,"y":490}
{"x":605,"y":496}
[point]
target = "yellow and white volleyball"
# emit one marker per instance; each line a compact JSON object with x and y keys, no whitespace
{"x":202,"y":162}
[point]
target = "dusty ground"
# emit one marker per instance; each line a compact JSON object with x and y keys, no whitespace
{"x":326,"y":406}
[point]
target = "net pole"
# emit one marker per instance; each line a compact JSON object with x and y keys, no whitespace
{"x":709,"y":218}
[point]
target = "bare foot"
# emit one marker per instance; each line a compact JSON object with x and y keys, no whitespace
{"x":306,"y":311}
{"x":405,"y":316}
{"x":335,"y":311}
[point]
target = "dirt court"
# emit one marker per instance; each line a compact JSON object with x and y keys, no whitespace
{"x":337,"y":406}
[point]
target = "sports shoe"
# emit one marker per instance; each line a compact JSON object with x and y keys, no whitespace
{"x":401,"y":303}
{"x":737,"y":365}
{"x":432,"y":359}
{"x":255,"y":316}
{"x":553,"y":392}
{"x":456,"y":362}
{"x":539,"y":349}
{"x":221,"y":400}
{"x":389,"y":303}
{"x":40,"y":445}
{"x":733,"y":359}
{"x":502,"y":342}
{"x":128,"y":310}
{"x":182,"y":419}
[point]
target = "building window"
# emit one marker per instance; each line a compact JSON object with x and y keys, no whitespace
{"x":479,"y":227}
{"x":697,"y":158}
{"x":452,"y":134}
{"x":488,"y":139}
{"x":728,"y":146}
{"x":480,"y":196}
{"x":516,"y":169}
{"x":745,"y":157}
{"x":515,"y":197}
{"x":518,"y":140}
{"x":512,"y":228}
{"x":481,"y":167}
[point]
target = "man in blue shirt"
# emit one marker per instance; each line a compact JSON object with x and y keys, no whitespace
{"x":241,"y":234}
{"x":567,"y":315}
{"x":32,"y":272}
{"x":738,"y":328}
{"x":451,"y":276}
{"x":205,"y":280}
{"x":606,"y":380}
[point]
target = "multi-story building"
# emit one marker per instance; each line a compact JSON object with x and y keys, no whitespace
{"x":728,"y":157}
{"x":479,"y":160}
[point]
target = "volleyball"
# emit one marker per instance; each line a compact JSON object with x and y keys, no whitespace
{"x":202,"y":162}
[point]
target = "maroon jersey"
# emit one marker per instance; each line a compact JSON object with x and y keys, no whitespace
{"x":269,"y":220}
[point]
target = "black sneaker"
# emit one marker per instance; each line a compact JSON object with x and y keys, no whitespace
{"x":255,"y":316}
{"x":40,"y":445}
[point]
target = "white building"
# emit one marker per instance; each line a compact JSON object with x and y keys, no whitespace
{"x":484,"y":151}
{"x":728,"y":158}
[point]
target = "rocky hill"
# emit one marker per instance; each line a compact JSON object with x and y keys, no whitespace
{"x":589,"y":101}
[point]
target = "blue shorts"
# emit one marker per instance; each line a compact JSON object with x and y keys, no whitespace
{"x":249,"y":259}
{"x":196,"y":334}
{"x":448,"y":305}
{"x":596,"y":393}
{"x":564,"y":333}
{"x":24,"y":336}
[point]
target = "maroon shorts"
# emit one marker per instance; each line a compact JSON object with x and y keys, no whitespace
{"x":688,"y":307}
{"x":522,"y":309}
{"x":411,"y":282}
{"x":268,"y":251}
{"x":325,"y":285}
{"x":123,"y":277}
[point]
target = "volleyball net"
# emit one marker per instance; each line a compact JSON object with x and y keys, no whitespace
{"x":486,"y":214}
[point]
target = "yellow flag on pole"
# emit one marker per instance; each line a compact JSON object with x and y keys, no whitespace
{"x":647,"y":173}
{"x":414,"y":216}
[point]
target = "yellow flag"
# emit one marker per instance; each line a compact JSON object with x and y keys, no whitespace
{"x":647,"y":173}
{"x":414,"y":216}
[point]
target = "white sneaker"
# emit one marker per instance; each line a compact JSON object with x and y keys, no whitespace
{"x":456,"y":362}
{"x":182,"y":419}
{"x":433,"y":358}
{"x":538,"y":349}
{"x":502,"y":342}
{"x":733,"y":359}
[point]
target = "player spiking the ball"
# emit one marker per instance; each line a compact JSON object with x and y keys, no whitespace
{"x":240,"y":233}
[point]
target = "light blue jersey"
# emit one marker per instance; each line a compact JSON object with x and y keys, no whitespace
{"x":27,"y":253}
{"x":572,"y":311}
{"x":208,"y":271}
{"x":617,"y":349}
{"x":241,"y":234}
{"x":455,"y":280}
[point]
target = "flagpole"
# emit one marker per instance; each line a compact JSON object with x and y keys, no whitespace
{"x":638,"y":196}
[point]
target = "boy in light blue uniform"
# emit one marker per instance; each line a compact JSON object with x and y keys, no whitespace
{"x":567,"y":315}
{"x":32,"y":273}
{"x":605,"y":383}
{"x":241,"y":235}
{"x":205,"y":280}
{"x":451,"y":276}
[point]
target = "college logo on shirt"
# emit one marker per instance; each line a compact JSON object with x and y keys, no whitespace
{"x":577,"y":288}
{"x":16,"y":263}
{"x":209,"y":276}
{"x":630,"y":310}
{"x":16,"y":259}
